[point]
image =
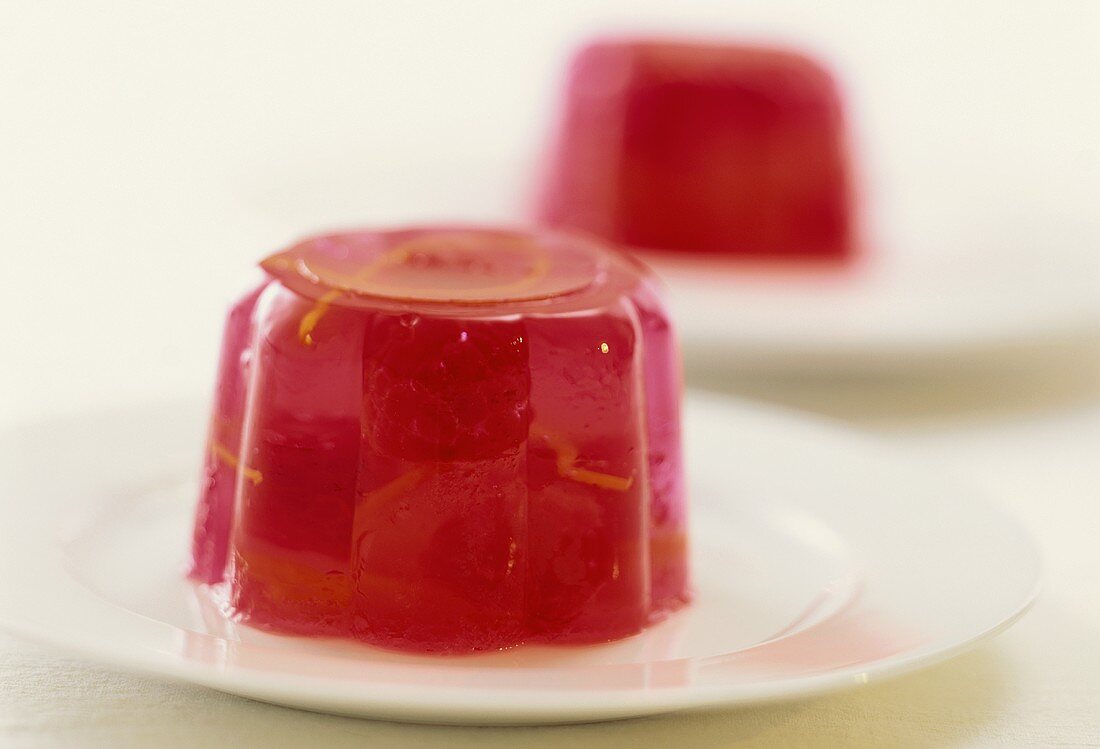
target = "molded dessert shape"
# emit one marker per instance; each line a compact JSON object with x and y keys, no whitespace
{"x":447,"y":440}
{"x":702,"y":148}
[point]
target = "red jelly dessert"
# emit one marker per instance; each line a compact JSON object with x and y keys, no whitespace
{"x":447,"y":439}
{"x":706,"y":148}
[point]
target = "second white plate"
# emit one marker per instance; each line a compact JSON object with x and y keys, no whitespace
{"x":894,"y":314}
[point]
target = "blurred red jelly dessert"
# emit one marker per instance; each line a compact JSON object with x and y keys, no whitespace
{"x":447,"y":440}
{"x":702,"y":148}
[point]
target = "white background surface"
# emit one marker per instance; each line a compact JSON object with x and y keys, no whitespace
{"x":149,"y":152}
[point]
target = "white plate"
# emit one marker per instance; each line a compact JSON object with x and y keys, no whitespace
{"x":893,"y":314}
{"x":820,"y":563}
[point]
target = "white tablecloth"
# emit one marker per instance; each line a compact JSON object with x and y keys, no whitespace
{"x":1036,"y":685}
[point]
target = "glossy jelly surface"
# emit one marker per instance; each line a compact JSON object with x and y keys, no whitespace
{"x":447,"y":440}
{"x":704,"y":148}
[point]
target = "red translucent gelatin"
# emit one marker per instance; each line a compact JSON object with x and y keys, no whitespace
{"x":704,"y":148}
{"x":447,"y":440}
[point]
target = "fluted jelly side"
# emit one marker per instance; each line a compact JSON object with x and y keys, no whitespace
{"x":449,"y":478}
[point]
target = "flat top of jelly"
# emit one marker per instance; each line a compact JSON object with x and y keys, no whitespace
{"x":698,"y":49}
{"x":441,"y":265}
{"x":615,"y":61}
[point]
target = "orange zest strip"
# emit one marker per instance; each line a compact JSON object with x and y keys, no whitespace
{"x":567,"y":455}
{"x":283,"y":580}
{"x":384,"y":495}
{"x":232,"y":461}
{"x":602,"y":480}
{"x":378,"y":501}
{"x":310,"y":319}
